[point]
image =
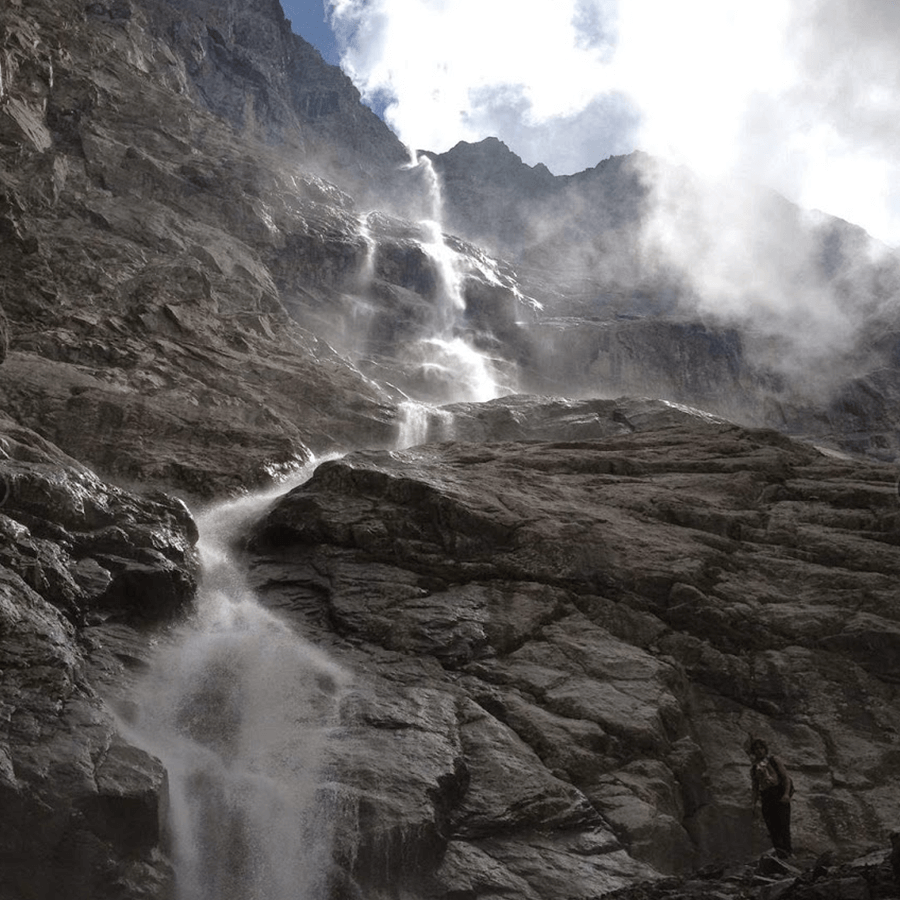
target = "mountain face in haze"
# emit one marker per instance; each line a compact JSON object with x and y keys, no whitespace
{"x":241,"y":61}
{"x":725,"y":296}
{"x":575,"y":554}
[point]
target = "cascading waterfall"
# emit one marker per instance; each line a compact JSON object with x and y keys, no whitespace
{"x":239,"y":709}
{"x":421,"y":423}
{"x":445,"y":351}
{"x":450,"y":297}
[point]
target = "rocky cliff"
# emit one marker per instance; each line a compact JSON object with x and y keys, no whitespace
{"x":586,"y":630}
{"x":561,"y":617}
{"x":725,"y":296}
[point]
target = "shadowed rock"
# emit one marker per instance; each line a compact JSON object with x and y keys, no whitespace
{"x":605,"y":620}
{"x":84,"y":568}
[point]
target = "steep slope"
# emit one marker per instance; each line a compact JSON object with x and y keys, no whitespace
{"x":242,"y":62}
{"x":585,"y":632}
{"x":214,"y":266}
{"x":148,"y":333}
{"x":169,"y":274}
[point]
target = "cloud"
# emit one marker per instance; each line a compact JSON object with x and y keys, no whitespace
{"x":802,"y":95}
{"x":845,"y":109}
{"x":466,"y":69}
{"x":606,"y":126}
{"x":750,"y":258}
{"x":594,"y":22}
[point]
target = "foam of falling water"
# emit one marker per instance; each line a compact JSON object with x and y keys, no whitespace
{"x":239,"y":710}
{"x":421,"y":423}
{"x":472,"y":371}
{"x":435,"y":197}
{"x":444,"y":358}
{"x":367,"y":270}
{"x":445,"y":259}
{"x":447,"y":263}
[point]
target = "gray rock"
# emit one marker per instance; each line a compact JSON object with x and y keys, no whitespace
{"x":560,"y":637}
{"x":82,"y":807}
{"x":614,"y":615}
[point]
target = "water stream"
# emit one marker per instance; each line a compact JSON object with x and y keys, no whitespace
{"x":447,"y":354}
{"x":239,"y":709}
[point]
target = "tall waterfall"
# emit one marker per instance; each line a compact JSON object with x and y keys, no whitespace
{"x":238,"y":706}
{"x":445,"y":351}
{"x":239,"y":709}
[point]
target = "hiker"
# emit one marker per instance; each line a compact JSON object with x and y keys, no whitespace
{"x":773,"y":786}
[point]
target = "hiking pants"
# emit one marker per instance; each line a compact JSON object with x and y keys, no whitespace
{"x":777,"y":816}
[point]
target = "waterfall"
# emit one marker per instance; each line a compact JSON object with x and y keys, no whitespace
{"x":447,"y":263}
{"x":239,"y":708}
{"x":444,"y":358}
{"x":421,"y":423}
{"x":367,"y":270}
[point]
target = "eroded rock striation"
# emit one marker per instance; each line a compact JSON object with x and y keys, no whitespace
{"x":583,"y":633}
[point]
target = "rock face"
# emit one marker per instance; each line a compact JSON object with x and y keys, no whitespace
{"x":580,"y":636}
{"x":176,"y":285}
{"x":625,"y":305}
{"x":546,"y":221}
{"x":139,"y":274}
{"x":193,"y":304}
{"x":562,"y":616}
{"x":242,"y":62}
{"x":86,"y":570}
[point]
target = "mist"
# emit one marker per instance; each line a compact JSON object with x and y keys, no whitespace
{"x":771,"y":134}
{"x":800,"y":96}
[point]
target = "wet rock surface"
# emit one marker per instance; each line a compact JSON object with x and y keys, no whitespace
{"x":868,"y":876}
{"x":588,"y":630}
{"x":85,"y":570}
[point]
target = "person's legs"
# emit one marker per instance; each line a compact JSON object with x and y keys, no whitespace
{"x":777,"y":816}
{"x":783,"y":816}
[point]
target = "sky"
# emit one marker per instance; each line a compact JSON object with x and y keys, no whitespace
{"x":799,"y":95}
{"x":310,"y":21}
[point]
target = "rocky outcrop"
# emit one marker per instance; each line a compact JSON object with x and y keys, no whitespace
{"x":868,"y":876}
{"x":563,"y":645}
{"x":242,"y":62}
{"x":624,"y":302}
{"x":561,"y":620}
{"x":86,"y":571}
{"x":191,"y":305}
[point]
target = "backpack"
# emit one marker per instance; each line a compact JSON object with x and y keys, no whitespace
{"x":766,"y":776}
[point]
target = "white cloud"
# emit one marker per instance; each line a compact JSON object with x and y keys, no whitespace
{"x":802,"y":95}
{"x":447,"y":63}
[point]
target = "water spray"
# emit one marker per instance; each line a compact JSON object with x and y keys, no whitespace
{"x":239,"y":710}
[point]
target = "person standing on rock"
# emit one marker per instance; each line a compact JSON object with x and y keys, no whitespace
{"x":773,"y":787}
